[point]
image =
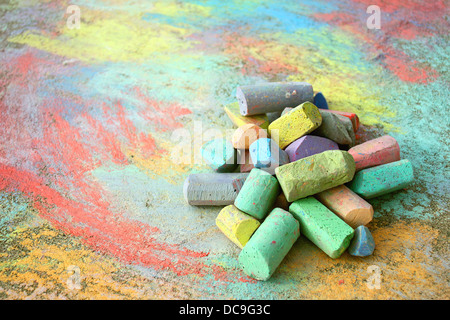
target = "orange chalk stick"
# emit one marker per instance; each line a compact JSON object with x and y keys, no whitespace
{"x":347,"y":205}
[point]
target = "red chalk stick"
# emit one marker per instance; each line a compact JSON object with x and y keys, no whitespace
{"x":375,"y":152}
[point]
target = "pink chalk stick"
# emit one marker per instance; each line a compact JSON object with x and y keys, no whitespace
{"x":375,"y":152}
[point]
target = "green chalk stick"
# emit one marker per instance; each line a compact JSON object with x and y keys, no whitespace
{"x":258,"y":194}
{"x":315,"y":173}
{"x":320,"y":225}
{"x":383,"y":179}
{"x":270,"y":243}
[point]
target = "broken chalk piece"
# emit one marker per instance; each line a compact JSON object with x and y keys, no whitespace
{"x":265,"y":154}
{"x":236,"y":225}
{"x":352,"y":116}
{"x":232,"y":110}
{"x":272,"y":96}
{"x":213,"y":189}
{"x":296,"y":123}
{"x":258,"y":194}
{"x":268,"y":246}
{"x":376,"y":181}
{"x":220,"y":155}
{"x":320,"y":101}
{"x":309,"y":145}
{"x":362,"y":244}
{"x":315,"y":173}
{"x":375,"y":152}
{"x":349,"y":127}
{"x":246,"y":134}
{"x":321,"y":226}
{"x":334,"y":129}
{"x":347,"y":205}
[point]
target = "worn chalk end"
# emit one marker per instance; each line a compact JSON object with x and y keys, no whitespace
{"x":362,"y":244}
{"x":240,"y":96}
{"x":320,"y":101}
{"x":185,"y":189}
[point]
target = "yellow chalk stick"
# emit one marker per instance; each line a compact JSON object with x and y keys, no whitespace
{"x":233,"y":112}
{"x":296,"y":123}
{"x":236,"y":225}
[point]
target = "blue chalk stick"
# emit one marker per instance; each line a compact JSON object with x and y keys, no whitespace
{"x":362,"y":244}
{"x":266,"y":153}
{"x":320,"y":101}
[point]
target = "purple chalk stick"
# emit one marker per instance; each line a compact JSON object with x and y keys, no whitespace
{"x":308,"y":145}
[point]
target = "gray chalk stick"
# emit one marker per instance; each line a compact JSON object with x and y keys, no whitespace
{"x":335,"y":129}
{"x":272,"y":96}
{"x":213,"y":189}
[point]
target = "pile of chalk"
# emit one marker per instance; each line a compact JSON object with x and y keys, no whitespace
{"x":302,"y":173}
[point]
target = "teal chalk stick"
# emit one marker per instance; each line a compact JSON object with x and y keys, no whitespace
{"x":383,"y":179}
{"x":321,"y":226}
{"x":258,"y":194}
{"x":270,"y":243}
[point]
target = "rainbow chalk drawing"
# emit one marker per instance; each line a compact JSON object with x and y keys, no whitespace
{"x":90,"y":117}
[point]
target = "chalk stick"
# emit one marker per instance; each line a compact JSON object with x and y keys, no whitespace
{"x":375,"y":152}
{"x":272,"y":96}
{"x":246,"y":134}
{"x":213,"y":189}
{"x":315,"y":173}
{"x":296,"y":123}
{"x":321,"y":226}
{"x":269,"y":245}
{"x":309,"y":145}
{"x":265,"y":154}
{"x":236,"y":225}
{"x":258,"y":194}
{"x":333,"y":128}
{"x":349,"y":127}
{"x":352,"y":116}
{"x":320,"y":101}
{"x":347,"y":205}
{"x":362,"y":244}
{"x":220,"y":155}
{"x":376,"y":181}
{"x":233,"y":112}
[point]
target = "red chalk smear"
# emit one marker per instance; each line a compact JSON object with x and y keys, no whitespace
{"x":162,"y":115}
{"x":415,"y":8}
{"x":242,"y":48}
{"x":398,"y":62}
{"x":104,"y":231}
{"x":23,"y":70}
